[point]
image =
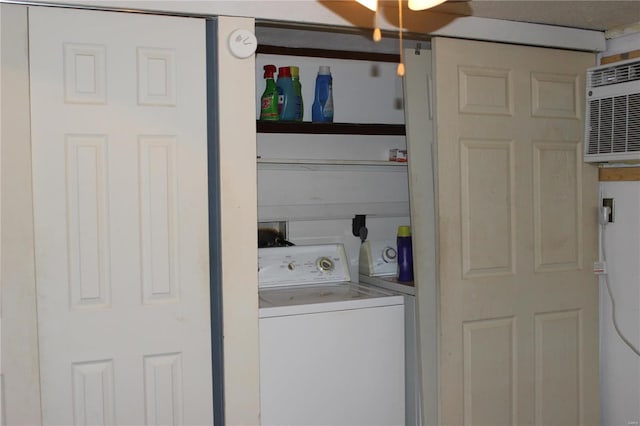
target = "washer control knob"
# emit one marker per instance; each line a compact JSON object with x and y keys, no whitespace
{"x":389,"y":254}
{"x":325,"y":264}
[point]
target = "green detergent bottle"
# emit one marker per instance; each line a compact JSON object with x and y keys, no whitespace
{"x":269,"y":100}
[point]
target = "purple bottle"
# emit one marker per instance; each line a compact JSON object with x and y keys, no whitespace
{"x":405,"y":254}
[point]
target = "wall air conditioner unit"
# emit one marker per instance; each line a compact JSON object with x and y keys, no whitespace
{"x":612,"y":120}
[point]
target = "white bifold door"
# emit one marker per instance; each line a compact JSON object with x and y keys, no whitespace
{"x":121,"y":227}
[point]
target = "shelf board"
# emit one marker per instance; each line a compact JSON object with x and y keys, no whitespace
{"x":325,"y":53}
{"x":322,"y":162}
{"x":619,"y":174}
{"x":303,"y":127}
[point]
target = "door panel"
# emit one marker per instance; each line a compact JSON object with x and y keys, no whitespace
{"x":517,"y":222}
{"x":420,"y":144}
{"x":120,"y":201}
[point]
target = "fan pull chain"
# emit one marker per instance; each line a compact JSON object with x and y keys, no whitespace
{"x":400,"y":70}
{"x":377,"y":34}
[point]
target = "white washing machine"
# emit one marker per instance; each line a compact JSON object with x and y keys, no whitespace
{"x":331,"y":350}
{"x":379,"y":268}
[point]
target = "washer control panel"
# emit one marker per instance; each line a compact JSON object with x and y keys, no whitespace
{"x":324,"y":263}
{"x":378,"y":258}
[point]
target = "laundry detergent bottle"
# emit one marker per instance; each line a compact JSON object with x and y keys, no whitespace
{"x":297,"y":92}
{"x":405,"y":254}
{"x":286,"y":95}
{"x":322,"y":108}
{"x":269,"y":100}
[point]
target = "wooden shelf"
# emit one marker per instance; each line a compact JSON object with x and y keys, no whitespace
{"x":325,"y":53}
{"x":619,"y":174}
{"x":322,"y":162}
{"x":330,"y":128}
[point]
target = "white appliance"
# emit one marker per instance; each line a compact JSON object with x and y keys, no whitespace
{"x":379,"y":267}
{"x":612,"y":116}
{"x":331,"y":351}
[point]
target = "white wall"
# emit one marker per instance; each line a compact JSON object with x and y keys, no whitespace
{"x":622,"y":44}
{"x":619,"y":366}
{"x":2,"y":421}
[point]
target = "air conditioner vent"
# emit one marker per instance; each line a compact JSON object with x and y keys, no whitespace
{"x":616,"y":74}
{"x":614,"y":125}
{"x":612,"y":113}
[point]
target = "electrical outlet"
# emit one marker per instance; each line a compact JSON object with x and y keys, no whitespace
{"x":608,"y":202}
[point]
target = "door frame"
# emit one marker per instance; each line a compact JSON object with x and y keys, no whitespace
{"x":215,"y":248}
{"x":20,"y":357}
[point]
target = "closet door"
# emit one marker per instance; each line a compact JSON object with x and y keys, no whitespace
{"x":121,"y":231}
{"x":418,"y":84}
{"x":517,"y":222}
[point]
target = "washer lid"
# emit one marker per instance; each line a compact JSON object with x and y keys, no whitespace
{"x":299,"y":299}
{"x":389,"y":283}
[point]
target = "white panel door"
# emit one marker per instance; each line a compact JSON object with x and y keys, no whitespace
{"x":121,"y":232}
{"x":517,"y":224}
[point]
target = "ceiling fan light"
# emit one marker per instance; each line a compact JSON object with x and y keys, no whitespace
{"x":423,"y":4}
{"x":377,"y":35}
{"x":369,"y":4}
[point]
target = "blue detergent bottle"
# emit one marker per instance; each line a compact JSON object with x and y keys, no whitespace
{"x":322,"y":108}
{"x":286,"y":95}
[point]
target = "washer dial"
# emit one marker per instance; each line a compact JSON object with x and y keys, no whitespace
{"x":325,"y":264}
{"x":389,"y":254}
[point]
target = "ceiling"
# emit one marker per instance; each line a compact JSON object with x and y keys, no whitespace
{"x":603,"y":15}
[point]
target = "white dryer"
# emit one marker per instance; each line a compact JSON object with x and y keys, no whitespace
{"x":331,"y":350}
{"x":379,"y":268}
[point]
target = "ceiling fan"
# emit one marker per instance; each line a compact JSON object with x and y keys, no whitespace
{"x":413,"y":5}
